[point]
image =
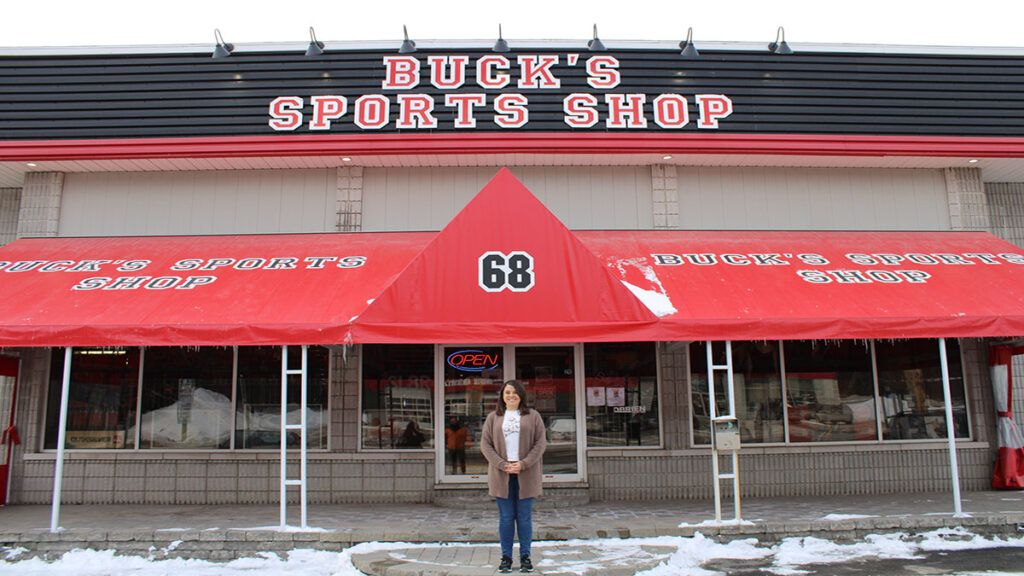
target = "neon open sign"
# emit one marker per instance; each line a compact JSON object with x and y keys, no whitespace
{"x":473,"y":360}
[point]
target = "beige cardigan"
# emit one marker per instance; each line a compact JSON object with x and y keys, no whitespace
{"x":532,"y":442}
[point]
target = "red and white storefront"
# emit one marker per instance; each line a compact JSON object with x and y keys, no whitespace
{"x":370,"y":236}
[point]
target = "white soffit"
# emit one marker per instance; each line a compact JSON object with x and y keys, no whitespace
{"x":993,"y":169}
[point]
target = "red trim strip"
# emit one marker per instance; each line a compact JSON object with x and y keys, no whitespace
{"x":506,"y":143}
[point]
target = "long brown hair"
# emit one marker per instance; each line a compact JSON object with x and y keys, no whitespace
{"x":520,"y":388}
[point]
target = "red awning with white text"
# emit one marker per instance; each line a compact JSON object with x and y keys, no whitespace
{"x":744,"y":285}
{"x":195,"y":290}
{"x":506,"y":270}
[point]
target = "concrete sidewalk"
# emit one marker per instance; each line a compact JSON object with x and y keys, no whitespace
{"x":459,"y":542}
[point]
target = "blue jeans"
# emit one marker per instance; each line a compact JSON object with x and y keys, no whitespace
{"x":513,"y":513}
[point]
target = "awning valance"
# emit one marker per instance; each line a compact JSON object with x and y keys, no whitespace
{"x":506,"y":270}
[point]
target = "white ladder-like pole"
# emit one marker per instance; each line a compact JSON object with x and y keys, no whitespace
{"x":301,"y":427}
{"x":712,"y":402}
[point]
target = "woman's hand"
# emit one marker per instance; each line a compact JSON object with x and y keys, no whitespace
{"x":514,"y":467}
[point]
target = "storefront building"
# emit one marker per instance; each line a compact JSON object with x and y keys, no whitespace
{"x":421,"y":226}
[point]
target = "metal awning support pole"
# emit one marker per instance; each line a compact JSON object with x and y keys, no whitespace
{"x":58,"y":471}
{"x":950,"y":432}
{"x":301,"y":427}
{"x":284,"y":437}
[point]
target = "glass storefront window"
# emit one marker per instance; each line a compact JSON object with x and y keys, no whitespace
{"x":830,"y":390}
{"x":186,"y":397}
{"x":398,"y":396}
{"x":757,"y":379}
{"x":472,"y":377}
{"x":101,"y":398}
{"x":621,"y":389}
{"x":910,"y":386}
{"x":700,"y":406}
{"x":258,"y":405}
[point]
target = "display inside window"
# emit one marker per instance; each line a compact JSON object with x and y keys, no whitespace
{"x":830,"y":390}
{"x":398,"y":396}
{"x":910,"y":386}
{"x":101,"y":398}
{"x":186,"y":397}
{"x":258,"y":405}
{"x":621,"y":394}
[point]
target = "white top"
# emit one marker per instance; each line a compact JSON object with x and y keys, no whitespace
{"x":510,"y":429}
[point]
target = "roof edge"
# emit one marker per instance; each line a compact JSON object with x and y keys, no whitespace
{"x":580,"y":45}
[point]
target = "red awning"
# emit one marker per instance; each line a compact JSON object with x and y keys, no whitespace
{"x":194,"y":290}
{"x":722,"y":285}
{"x":506,"y":270}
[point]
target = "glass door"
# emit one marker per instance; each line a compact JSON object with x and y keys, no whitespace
{"x":550,"y":375}
{"x":472,"y":376}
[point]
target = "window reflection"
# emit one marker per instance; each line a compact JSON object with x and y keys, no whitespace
{"x":910,"y":385}
{"x":258,"y":407}
{"x":186,"y":398}
{"x":621,"y":394}
{"x":101,"y":398}
{"x":830,"y":390}
{"x":398,"y":392}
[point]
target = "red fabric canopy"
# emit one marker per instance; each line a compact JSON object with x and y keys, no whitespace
{"x":195,"y":290}
{"x":506,"y":270}
{"x":721,"y":285}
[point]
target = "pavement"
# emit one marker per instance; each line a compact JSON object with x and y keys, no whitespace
{"x":428,"y":540}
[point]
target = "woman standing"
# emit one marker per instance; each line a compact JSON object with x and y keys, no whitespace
{"x":513,"y":442}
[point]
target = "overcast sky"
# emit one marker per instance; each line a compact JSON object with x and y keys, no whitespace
{"x":130,"y":22}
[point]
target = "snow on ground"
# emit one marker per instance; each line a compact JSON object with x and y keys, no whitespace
{"x":670,"y":555}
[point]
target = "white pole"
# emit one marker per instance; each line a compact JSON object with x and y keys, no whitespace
{"x":284,"y":437}
{"x":950,"y":432}
{"x":58,"y":472}
{"x":302,"y":435}
{"x":713,"y":412}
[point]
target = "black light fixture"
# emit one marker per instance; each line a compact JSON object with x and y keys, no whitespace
{"x":595,"y":44}
{"x":689,"y":50}
{"x":222,"y":49}
{"x":316,"y":47}
{"x":408,"y":46}
{"x":780,"y":46}
{"x":500,"y":45}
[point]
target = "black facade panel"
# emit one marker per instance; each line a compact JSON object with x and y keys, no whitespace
{"x":180,"y":95}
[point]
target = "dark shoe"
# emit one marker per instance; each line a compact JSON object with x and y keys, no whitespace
{"x":525,"y":565}
{"x":506,"y":564}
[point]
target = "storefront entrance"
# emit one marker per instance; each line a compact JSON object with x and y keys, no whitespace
{"x":8,"y":434}
{"x":472,"y":376}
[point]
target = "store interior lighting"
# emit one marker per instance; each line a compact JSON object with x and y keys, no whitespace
{"x":780,"y":46}
{"x":501,"y":45}
{"x":222,"y":49}
{"x":408,"y":46}
{"x":595,"y":44}
{"x":316,"y":47}
{"x":689,"y":50}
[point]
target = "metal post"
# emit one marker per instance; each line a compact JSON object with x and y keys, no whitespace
{"x":284,"y":437}
{"x":950,"y":432}
{"x":713,"y":413}
{"x":302,"y":440}
{"x":58,"y":472}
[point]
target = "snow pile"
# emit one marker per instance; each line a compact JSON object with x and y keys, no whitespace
{"x":669,"y":555}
